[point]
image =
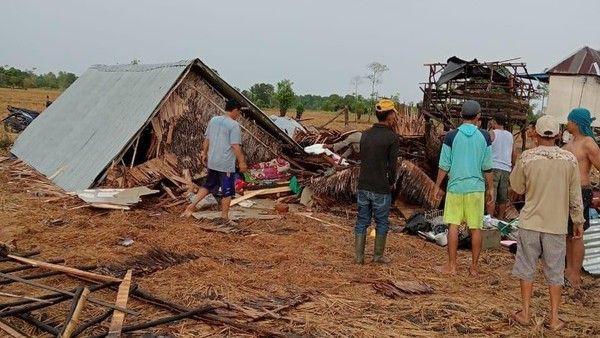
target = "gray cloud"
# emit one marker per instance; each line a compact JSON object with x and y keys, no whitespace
{"x":319,"y":45}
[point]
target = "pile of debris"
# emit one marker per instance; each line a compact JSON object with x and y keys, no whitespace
{"x":141,"y":131}
{"x":34,"y":314}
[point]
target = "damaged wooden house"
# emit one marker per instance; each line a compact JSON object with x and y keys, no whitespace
{"x":123,"y":126}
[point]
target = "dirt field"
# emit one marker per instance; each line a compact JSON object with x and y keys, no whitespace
{"x":281,"y":258}
{"x":34,"y":99}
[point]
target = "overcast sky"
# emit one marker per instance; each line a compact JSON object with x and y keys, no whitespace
{"x":319,"y":45}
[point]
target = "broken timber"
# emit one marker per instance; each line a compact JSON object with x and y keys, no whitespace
{"x":116,"y":323}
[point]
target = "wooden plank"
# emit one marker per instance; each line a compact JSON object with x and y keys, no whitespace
{"x":6,"y":294}
{"x":254,"y":193}
{"x":65,"y":269}
{"x":11,"y":331}
{"x":310,"y":216}
{"x":73,"y":317}
{"x":67,"y":293}
{"x":118,"y":317}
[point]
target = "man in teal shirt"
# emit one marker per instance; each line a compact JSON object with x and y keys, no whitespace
{"x":466,"y":155}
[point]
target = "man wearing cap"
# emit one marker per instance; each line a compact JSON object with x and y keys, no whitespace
{"x":379,"y":147}
{"x":221,"y":148}
{"x":466,"y":155}
{"x":583,"y":145}
{"x":549,"y":178}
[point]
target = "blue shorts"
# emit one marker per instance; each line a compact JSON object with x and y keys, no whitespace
{"x":217,"y":180}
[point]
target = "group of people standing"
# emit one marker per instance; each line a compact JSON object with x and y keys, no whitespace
{"x":479,"y":166}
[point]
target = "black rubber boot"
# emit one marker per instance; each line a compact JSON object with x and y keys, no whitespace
{"x":359,"y":248}
{"x":379,"y":248}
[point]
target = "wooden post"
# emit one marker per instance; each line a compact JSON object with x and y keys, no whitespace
{"x":118,"y":318}
{"x":73,"y":316}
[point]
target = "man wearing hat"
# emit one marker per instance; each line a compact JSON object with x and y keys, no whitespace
{"x":379,"y":147}
{"x":583,"y":145}
{"x":549,"y":178}
{"x":220,"y":150}
{"x":466,"y":155}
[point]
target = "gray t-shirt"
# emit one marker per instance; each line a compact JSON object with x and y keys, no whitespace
{"x":222,"y":132}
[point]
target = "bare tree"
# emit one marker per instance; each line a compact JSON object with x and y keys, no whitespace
{"x":356,"y":81}
{"x":376,"y":70}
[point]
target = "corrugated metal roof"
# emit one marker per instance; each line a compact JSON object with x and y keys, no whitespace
{"x":591,"y":239}
{"x":77,"y":136}
{"x":585,"y":61}
{"x":93,"y":121}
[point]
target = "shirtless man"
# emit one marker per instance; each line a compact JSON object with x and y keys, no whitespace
{"x":585,"y":148}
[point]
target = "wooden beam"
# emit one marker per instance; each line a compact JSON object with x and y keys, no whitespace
{"x":253,"y":193}
{"x":65,"y":269}
{"x":66,"y":293}
{"x":118,"y":318}
{"x":11,"y":331}
{"x":6,"y":294}
{"x":73,"y":317}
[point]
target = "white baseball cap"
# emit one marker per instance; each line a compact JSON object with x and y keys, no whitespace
{"x":547,"y":126}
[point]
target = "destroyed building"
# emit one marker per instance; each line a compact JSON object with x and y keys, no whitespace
{"x":132,"y":125}
{"x":497,"y":86}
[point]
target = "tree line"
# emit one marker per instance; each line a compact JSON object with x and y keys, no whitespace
{"x":282,"y":96}
{"x":11,"y":77}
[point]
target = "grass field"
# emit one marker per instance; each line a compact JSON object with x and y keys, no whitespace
{"x":34,"y":99}
{"x":319,"y":118}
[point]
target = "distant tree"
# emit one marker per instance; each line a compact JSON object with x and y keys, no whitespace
{"x":333,"y":103}
{"x":135,"y":62}
{"x":285,"y":96}
{"x":299,"y":111}
{"x":65,"y":79}
{"x":262,"y":94}
{"x":376,"y":70}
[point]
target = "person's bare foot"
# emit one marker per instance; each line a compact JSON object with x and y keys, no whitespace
{"x":555,"y":324}
{"x":473,"y":271}
{"x":520,"y":318}
{"x":447,"y":269}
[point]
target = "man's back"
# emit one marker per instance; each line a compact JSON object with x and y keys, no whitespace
{"x":549,"y":178}
{"x":502,"y":148}
{"x":378,"y":155}
{"x":466,"y":153}
{"x":222,"y":132}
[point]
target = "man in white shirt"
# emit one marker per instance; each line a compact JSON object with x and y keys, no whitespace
{"x":502,"y":159}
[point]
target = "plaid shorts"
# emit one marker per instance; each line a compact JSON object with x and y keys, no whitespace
{"x":533,"y":245}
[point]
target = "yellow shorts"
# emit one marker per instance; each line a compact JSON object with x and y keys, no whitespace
{"x":465,"y":208}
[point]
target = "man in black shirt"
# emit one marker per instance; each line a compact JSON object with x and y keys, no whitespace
{"x":379,"y":148}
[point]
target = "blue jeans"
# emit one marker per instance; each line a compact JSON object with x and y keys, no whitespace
{"x":373,"y":205}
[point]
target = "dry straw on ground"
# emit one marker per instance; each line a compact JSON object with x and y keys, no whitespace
{"x":283,"y":259}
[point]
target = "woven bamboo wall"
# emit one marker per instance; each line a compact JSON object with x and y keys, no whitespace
{"x":180,"y":125}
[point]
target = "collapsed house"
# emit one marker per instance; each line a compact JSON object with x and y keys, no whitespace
{"x":133,"y":125}
{"x":126,"y":126}
{"x":574,"y":83}
{"x":497,"y":86}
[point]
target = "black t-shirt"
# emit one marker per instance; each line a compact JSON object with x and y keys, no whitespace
{"x":379,"y":147}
